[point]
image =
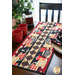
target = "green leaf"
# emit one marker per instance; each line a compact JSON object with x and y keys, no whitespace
{"x":25,"y":9}
{"x":23,"y":20}
{"x":26,"y":0}
{"x":15,"y":16}
{"x":29,"y":5}
{"x":13,"y":12}
{"x":15,"y":26}
{"x":21,"y":1}
{"x":19,"y":17}
{"x":17,"y":23}
{"x":32,"y":9}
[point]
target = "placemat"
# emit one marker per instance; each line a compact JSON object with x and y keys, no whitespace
{"x":36,"y":51}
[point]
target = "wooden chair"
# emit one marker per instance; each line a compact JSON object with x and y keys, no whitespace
{"x":50,"y":6}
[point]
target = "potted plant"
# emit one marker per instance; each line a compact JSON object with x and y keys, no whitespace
{"x":23,"y":6}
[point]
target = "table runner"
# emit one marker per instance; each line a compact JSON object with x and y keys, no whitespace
{"x":36,"y":51}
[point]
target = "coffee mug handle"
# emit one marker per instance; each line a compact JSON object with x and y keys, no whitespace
{"x":13,"y":39}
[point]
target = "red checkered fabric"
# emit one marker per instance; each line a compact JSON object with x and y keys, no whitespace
{"x":33,"y":66}
{"x":22,"y":55}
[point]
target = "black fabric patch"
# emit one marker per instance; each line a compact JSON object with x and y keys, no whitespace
{"x":29,"y":57}
{"x":23,"y":50}
{"x":38,"y":43}
{"x":43,"y":35}
{"x":25,"y":63}
{"x":41,"y":39}
{"x":50,"y":23}
{"x":47,"y":29}
{"x":33,"y":52}
{"x":45,"y":32}
{"x":49,"y":26}
{"x":35,"y":47}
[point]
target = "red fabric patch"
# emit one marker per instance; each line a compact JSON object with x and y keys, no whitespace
{"x":58,"y":43}
{"x":41,"y":28}
{"x":40,"y":57}
{"x":22,"y":55}
{"x":52,"y":36}
{"x":54,"y":28}
{"x":39,"y":32}
{"x":56,"y":35}
{"x":57,"y":24}
{"x":43,"y":58}
{"x":33,"y":67}
{"x":28,"y":41}
{"x":59,"y":29}
{"x":50,"y":39}
{"x":43,"y":49}
{"x":54,"y":41}
{"x":15,"y":64}
{"x":45,"y":24}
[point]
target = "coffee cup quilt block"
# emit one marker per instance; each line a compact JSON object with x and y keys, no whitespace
{"x":36,"y":51}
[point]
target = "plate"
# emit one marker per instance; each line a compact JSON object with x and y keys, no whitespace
{"x":57,"y":48}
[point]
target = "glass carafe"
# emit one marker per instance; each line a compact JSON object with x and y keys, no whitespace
{"x":29,"y":18}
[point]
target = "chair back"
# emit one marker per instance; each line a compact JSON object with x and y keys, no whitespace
{"x":50,"y":6}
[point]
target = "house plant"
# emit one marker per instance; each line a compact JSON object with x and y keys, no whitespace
{"x":23,"y":6}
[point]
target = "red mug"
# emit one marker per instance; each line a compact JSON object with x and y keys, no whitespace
{"x":18,"y":35}
{"x":24,"y":28}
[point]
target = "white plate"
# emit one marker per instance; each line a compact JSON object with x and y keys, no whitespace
{"x":57,"y":48}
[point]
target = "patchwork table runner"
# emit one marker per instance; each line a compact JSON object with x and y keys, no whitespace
{"x":36,"y":51}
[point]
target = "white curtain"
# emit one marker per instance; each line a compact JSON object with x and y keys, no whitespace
{"x":36,"y":10}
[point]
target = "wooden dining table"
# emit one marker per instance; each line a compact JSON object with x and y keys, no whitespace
{"x":55,"y":61}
